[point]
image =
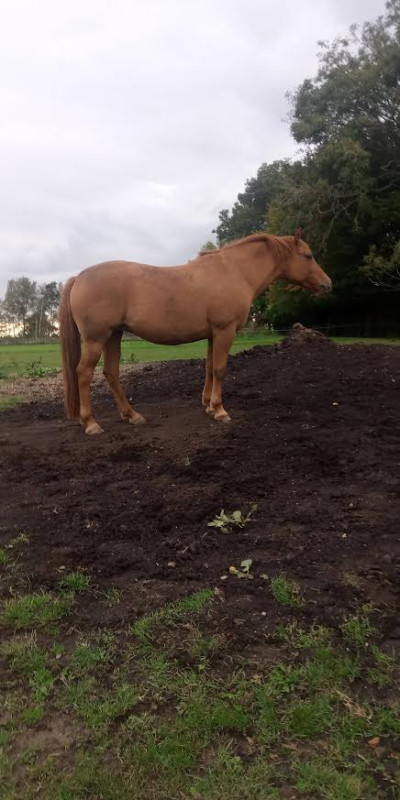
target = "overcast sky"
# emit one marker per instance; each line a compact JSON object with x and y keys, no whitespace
{"x":126,"y":125}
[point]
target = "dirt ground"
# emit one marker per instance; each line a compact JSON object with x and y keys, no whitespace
{"x":315,"y":442}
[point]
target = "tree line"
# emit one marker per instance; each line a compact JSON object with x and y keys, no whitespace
{"x":29,"y":310}
{"x":344,"y":189}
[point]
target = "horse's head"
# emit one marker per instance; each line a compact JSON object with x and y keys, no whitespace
{"x":302,"y":269}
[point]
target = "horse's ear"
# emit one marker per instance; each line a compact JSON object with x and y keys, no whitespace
{"x":298,"y":235}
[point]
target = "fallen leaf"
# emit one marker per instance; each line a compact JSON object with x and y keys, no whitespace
{"x":374,"y":742}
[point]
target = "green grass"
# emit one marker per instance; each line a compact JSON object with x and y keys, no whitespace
{"x":34,"y":609}
{"x":75,"y":582}
{"x":159,"y":709}
{"x":5,"y":557}
{"x":33,"y":360}
{"x":286,"y":591}
{"x":111,"y":597}
{"x":318,"y":778}
{"x":90,"y":653}
{"x":359,"y":629}
{"x":36,"y":360}
{"x":292,"y":633}
{"x":147,"y":625}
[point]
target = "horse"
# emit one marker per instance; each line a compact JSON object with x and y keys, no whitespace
{"x":207,"y":298}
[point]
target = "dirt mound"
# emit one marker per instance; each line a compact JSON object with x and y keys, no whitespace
{"x":299,"y":336}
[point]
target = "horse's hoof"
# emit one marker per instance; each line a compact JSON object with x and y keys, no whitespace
{"x":137,"y":420}
{"x":223,"y":418}
{"x":93,"y":428}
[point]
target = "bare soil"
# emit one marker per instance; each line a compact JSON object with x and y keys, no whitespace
{"x":315,"y":442}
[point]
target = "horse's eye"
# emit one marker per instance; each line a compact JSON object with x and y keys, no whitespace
{"x":309,"y":256}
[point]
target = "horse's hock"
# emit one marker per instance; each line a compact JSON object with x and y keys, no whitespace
{"x":299,"y":336}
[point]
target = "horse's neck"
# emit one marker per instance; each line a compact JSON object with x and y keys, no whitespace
{"x":257,"y":265}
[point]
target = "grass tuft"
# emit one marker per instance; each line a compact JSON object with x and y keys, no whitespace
{"x":358,"y":629}
{"x":35,"y":609}
{"x":286,"y":591}
{"x":75,"y":582}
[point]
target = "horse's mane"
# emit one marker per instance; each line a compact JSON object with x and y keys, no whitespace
{"x":280,"y":245}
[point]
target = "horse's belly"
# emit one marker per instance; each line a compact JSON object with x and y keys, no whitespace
{"x":169,"y":335}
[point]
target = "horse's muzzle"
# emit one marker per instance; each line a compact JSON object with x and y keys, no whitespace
{"x":325,"y":287}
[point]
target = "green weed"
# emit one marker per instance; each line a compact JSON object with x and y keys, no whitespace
{"x":237,"y":519}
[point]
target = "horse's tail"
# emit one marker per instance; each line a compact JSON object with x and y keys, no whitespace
{"x":71,"y":352}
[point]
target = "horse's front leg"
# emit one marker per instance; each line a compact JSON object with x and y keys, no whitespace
{"x":222,"y":340}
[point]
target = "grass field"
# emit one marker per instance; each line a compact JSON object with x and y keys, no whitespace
{"x":163,"y":709}
{"x":35,"y":360}
{"x":31,"y":359}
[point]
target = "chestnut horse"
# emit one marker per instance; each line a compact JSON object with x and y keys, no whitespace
{"x":208,"y":298}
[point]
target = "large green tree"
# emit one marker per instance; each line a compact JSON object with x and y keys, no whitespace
{"x":42,"y":321}
{"x":345,"y":192}
{"x":249,"y":212}
{"x":19,"y":301}
{"x":30,"y":309}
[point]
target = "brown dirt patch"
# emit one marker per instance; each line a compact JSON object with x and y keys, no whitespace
{"x":315,"y":442}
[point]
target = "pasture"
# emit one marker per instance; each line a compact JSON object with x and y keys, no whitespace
{"x":146,"y":653}
{"x":37,"y":360}
{"x":33,"y":360}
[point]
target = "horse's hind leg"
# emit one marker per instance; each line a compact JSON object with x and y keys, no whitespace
{"x":208,"y":384}
{"x":91,"y":352}
{"x":112,"y":355}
